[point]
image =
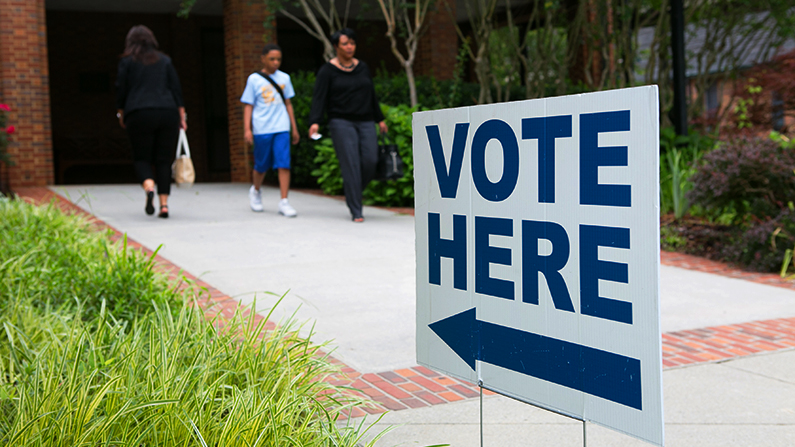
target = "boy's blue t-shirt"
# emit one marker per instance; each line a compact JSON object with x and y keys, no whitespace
{"x":269,"y":114}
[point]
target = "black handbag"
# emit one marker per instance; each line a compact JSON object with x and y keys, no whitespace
{"x":390,"y":165}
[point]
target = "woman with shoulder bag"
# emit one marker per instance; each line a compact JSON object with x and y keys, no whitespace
{"x":345,"y":92}
{"x":150,"y":107}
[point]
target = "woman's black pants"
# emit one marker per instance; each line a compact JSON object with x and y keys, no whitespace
{"x":356,"y":145}
{"x":153,"y":135}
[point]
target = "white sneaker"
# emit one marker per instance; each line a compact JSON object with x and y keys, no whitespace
{"x":285,"y":209}
{"x":255,"y":199}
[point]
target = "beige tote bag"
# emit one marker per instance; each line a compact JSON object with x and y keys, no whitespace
{"x":182,"y":169}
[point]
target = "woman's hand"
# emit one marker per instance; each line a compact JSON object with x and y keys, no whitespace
{"x":183,"y":119}
{"x":382,"y":127}
{"x":120,"y":116}
{"x":313,"y":129}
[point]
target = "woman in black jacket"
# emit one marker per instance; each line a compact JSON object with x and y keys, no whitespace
{"x":344,"y":91}
{"x":149,"y":105}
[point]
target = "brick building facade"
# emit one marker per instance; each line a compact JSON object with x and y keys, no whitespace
{"x":58,"y":68}
{"x":25,"y":86}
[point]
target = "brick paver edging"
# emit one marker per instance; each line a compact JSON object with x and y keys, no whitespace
{"x":420,"y":387}
{"x":691,"y":262}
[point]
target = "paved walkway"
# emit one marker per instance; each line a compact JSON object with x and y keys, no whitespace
{"x":357,"y":283}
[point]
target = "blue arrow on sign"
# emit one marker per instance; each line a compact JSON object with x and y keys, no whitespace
{"x":600,"y":373}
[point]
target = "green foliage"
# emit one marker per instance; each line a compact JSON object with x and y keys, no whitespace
{"x":73,"y":373}
{"x":670,"y":240}
{"x":5,"y":134}
{"x":752,"y":176}
{"x":750,"y":183}
{"x":782,"y":141}
{"x":393,"y":89}
{"x":678,"y":161}
{"x":396,"y":192}
{"x":741,"y":109}
{"x":505,"y":67}
{"x":53,"y":258}
{"x":164,"y":381}
{"x":763,"y":245}
{"x":303,"y":154}
{"x":329,"y":176}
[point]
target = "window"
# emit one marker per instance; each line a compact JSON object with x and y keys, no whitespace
{"x":711,"y":99}
{"x":777,"y":105}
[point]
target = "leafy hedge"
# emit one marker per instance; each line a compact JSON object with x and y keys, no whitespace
{"x":751,"y":183}
{"x":752,"y":176}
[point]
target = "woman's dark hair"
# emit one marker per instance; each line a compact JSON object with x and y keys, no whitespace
{"x":141,"y":45}
{"x":270,"y":47}
{"x":347,"y":32}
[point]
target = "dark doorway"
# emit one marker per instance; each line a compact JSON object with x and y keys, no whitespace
{"x":216,"y":113}
{"x":89,"y":145}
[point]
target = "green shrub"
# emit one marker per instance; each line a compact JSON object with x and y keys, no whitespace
{"x":329,"y":176}
{"x":753,"y":176}
{"x":751,"y":181}
{"x":54,"y":258}
{"x":671,"y":240}
{"x":763,"y":246}
{"x":396,"y":192}
{"x":303,"y":154}
{"x":393,"y":89}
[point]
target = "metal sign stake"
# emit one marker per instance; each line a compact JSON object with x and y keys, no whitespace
{"x":480,"y":386}
{"x":584,"y":439}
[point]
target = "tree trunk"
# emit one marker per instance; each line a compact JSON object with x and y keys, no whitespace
{"x":412,"y":83}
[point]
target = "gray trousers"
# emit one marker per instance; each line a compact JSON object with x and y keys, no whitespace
{"x":356,"y":145}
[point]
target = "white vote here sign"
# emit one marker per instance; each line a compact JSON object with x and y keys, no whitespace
{"x":537,"y":232}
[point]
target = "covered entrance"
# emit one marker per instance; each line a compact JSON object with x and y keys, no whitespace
{"x":59,"y":69}
{"x":84,"y":42}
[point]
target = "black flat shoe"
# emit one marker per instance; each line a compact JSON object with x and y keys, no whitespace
{"x":163,"y":212}
{"x":150,"y":196}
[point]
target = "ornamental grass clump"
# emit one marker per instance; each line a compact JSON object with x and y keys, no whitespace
{"x":162,"y":380}
{"x":72,"y":373}
{"x":54,"y":258}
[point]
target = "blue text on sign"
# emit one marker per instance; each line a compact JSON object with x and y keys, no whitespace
{"x":546,"y":130}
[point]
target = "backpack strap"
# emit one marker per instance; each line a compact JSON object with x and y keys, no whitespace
{"x":274,"y":84}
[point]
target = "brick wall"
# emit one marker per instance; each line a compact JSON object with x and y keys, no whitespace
{"x":438,"y":48}
{"x":244,"y":36}
{"x":24,"y":86}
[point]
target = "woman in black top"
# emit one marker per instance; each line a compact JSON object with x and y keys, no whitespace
{"x":344,"y":91}
{"x":149,"y":105}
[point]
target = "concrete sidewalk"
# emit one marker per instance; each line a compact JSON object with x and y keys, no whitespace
{"x":743,"y":402}
{"x":356,"y":282}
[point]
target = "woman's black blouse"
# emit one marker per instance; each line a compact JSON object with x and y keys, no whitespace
{"x":345,"y":94}
{"x":152,"y":86}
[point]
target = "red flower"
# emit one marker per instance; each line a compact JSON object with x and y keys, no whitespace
{"x":5,"y":108}
{"x":10,"y":129}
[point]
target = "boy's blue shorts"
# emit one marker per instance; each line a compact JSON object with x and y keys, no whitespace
{"x":272,"y":150}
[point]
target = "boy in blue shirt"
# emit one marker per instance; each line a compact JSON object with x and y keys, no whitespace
{"x":269,"y":125}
